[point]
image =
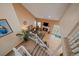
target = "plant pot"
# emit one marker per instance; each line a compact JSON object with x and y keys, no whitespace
{"x":25,"y":39}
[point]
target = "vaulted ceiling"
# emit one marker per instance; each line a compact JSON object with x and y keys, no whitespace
{"x":47,"y":10}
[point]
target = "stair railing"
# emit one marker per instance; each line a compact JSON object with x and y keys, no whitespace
{"x":39,"y":41}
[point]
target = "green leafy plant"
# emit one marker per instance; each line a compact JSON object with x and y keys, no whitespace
{"x":24,"y":34}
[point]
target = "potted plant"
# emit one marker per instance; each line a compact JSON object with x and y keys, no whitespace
{"x":24,"y":34}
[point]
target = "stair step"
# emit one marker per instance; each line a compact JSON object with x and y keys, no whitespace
{"x":75,"y":40}
{"x":44,"y":54}
{"x":41,"y":52}
{"x":38,"y":52}
{"x":35,"y":50}
{"x":73,"y":36}
{"x":44,"y":50}
{"x":74,"y":45}
{"x":75,"y":50}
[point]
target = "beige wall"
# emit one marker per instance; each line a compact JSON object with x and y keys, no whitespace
{"x":24,"y":15}
{"x":70,"y":18}
{"x":7,"y":12}
{"x":42,"y":10}
{"x":9,"y":41}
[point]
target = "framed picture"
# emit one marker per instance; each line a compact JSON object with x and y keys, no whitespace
{"x":5,"y":28}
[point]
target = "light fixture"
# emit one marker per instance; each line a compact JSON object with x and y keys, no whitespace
{"x":49,"y":16}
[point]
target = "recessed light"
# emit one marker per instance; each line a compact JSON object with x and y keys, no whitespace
{"x":49,"y":16}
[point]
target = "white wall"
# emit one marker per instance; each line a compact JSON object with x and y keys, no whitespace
{"x":7,"y":12}
{"x":24,"y":15}
{"x":7,"y":42}
{"x":44,"y":10}
{"x":70,"y":18}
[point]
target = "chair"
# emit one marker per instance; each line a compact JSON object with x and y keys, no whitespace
{"x":21,"y":51}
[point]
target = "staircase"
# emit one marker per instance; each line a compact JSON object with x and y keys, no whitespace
{"x":33,"y":49}
{"x":73,"y":41}
{"x":39,"y":51}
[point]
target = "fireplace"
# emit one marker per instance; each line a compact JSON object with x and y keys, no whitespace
{"x":45,"y":26}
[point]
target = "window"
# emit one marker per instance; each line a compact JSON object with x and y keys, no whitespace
{"x":56,"y":31}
